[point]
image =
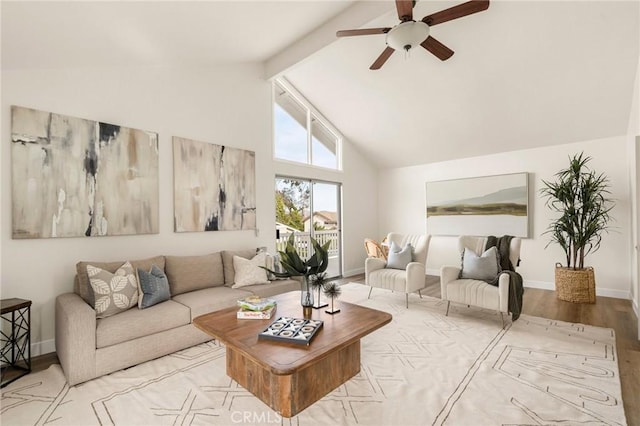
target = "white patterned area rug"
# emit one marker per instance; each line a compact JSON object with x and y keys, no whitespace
{"x":423,"y":368}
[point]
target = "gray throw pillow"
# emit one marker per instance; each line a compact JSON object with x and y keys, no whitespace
{"x":154,"y":287}
{"x":484,"y":267}
{"x":399,"y":258}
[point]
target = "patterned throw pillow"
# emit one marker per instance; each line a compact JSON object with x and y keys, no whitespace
{"x":154,"y":287}
{"x":114,"y":293}
{"x":249,"y":272}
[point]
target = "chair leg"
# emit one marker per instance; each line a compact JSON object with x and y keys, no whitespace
{"x":420,"y":293}
{"x":370,"y":290}
{"x":447,"y":313}
{"x":502,"y":318}
{"x":407,"y":297}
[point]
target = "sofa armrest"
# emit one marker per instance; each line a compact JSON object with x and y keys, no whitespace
{"x":415,"y":276}
{"x":373,"y":264}
{"x":76,"y":338}
{"x":447,"y":274}
{"x":503,"y":292}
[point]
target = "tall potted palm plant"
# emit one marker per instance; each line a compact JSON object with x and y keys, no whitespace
{"x":580,"y":196}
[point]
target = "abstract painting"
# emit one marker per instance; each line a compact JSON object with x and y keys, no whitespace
{"x":489,"y":205}
{"x":81,"y":178}
{"x":214,"y":187}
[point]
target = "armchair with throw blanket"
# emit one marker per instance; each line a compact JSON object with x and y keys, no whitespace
{"x":404,"y":269}
{"x":487,"y":278}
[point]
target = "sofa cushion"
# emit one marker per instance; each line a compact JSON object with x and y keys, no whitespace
{"x":274,"y":288}
{"x":82,"y":280}
{"x":210,"y":299}
{"x":391,"y":279}
{"x":250,"y":271}
{"x":136,"y":323}
{"x":227,"y":261}
{"x":153,"y":287}
{"x":189,"y":273}
{"x":475,"y":293}
{"x":114,"y":292}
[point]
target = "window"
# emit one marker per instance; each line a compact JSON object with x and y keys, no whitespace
{"x":301,"y":134}
{"x":309,"y":208}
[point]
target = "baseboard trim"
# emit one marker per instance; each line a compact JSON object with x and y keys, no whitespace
{"x":542,"y":285}
{"x":353,"y":272}
{"x":42,"y":348}
{"x":605,"y":292}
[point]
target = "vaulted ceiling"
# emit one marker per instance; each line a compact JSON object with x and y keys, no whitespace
{"x":525,"y":73}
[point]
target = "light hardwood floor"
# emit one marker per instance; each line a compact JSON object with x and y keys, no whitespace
{"x":606,"y":312}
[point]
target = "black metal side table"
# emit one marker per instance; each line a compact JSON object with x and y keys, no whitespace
{"x":16,"y":346}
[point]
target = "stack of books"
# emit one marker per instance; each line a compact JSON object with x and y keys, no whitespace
{"x":255,"y":307}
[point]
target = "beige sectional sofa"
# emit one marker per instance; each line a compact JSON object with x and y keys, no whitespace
{"x":88,"y":347}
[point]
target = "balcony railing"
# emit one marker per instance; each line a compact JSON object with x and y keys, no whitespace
{"x":302,"y":242}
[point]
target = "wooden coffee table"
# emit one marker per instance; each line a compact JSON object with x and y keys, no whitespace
{"x":290,"y":377}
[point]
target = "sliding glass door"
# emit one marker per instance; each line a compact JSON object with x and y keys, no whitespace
{"x":309,"y":208}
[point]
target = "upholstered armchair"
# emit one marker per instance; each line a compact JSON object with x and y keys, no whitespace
{"x":406,"y":280}
{"x":473,"y":292}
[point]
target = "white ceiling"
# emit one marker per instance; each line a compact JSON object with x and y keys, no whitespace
{"x":76,"y":34}
{"x":525,"y":74}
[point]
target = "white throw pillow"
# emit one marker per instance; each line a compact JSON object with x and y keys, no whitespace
{"x":399,"y":258}
{"x":249,"y":272}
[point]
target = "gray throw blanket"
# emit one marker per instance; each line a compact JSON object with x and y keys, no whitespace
{"x":516,"y":289}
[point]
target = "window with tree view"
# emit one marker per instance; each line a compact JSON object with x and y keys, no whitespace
{"x":300,"y":133}
{"x":309,"y":208}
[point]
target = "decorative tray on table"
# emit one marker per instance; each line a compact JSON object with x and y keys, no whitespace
{"x":292,"y":330}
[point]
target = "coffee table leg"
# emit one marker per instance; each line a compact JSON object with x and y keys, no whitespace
{"x":289,"y":394}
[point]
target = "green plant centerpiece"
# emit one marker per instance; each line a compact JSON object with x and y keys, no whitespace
{"x":581,"y":198}
{"x":294,"y":266}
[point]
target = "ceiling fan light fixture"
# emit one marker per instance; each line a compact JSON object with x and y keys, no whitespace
{"x":407,"y":35}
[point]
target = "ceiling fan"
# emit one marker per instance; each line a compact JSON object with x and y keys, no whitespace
{"x":410,"y":33}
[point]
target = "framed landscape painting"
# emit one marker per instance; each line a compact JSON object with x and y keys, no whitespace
{"x":488,"y":205}
{"x":214,"y":187}
{"x":73,"y":177}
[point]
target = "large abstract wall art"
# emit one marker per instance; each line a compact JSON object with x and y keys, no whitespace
{"x":487,"y":205}
{"x":81,"y":178}
{"x":214,"y":187}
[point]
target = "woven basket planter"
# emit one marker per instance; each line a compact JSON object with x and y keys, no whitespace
{"x":575,"y":285}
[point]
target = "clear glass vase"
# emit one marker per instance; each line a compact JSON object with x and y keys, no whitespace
{"x":306,"y":292}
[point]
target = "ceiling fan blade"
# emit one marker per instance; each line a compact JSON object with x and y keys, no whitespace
{"x":364,"y":31}
{"x":382,"y":58}
{"x":455,"y":12}
{"x":405,"y":9}
{"x":441,"y":51}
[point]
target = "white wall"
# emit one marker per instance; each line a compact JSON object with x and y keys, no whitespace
{"x":229,"y":105}
{"x":402,"y":208}
{"x":633,"y":137}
